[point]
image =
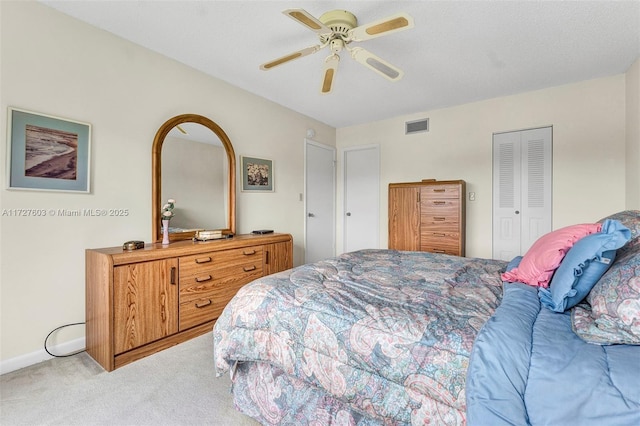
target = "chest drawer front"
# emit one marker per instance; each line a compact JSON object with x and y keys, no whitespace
{"x":439,"y":207}
{"x":438,"y":215}
{"x":440,"y":191}
{"x":441,"y":242}
{"x":442,"y":250}
{"x":224,"y":262}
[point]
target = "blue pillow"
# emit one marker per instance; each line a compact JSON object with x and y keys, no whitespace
{"x":583,"y":265}
{"x":513,"y":263}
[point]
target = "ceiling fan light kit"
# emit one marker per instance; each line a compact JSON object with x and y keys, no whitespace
{"x":338,"y":29}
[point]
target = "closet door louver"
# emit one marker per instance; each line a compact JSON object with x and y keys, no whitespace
{"x":522,"y":190}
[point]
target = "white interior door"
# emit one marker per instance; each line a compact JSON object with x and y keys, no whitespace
{"x":522,"y":184}
{"x":361,"y":198}
{"x":320,"y":213}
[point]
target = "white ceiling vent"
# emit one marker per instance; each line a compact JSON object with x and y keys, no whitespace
{"x":416,"y":126}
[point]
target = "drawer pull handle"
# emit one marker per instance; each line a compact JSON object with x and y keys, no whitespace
{"x":439,"y":190}
{"x":440,"y":218}
{"x":439,"y":202}
{"x":438,"y":251}
{"x":203,"y":304}
{"x":249,"y":268}
{"x":439,"y":235}
{"x":249,"y":253}
{"x":203,"y":279}
{"x":203,"y":260}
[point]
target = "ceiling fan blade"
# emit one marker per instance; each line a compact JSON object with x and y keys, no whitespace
{"x":376,"y":63}
{"x":290,"y":57}
{"x":329,"y":73}
{"x":308,"y":20}
{"x":398,"y":22}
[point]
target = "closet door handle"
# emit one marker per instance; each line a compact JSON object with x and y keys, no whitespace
{"x":173,"y":275}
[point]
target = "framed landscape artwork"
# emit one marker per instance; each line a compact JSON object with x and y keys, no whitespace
{"x":257,"y":174}
{"x":47,"y":153}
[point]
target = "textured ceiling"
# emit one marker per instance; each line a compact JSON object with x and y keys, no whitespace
{"x":458,"y":51}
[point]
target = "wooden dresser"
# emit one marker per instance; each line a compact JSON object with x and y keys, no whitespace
{"x":142,"y":301}
{"x":427,"y":216}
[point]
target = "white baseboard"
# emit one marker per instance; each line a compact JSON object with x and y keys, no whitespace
{"x":36,"y":357}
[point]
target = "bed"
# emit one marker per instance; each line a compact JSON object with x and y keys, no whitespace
{"x":397,"y":338}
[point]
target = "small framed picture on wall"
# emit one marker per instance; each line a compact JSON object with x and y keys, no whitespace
{"x":257,"y":174}
{"x":47,"y":153}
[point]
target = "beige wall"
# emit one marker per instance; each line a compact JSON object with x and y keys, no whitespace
{"x":633,"y":136}
{"x":56,"y":65}
{"x":588,"y":120}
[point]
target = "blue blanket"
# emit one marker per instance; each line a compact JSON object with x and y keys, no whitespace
{"x":527,"y":367}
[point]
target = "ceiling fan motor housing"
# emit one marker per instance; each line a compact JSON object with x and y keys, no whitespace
{"x":340,"y":22}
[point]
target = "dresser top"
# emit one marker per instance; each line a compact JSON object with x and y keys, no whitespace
{"x":427,"y":182}
{"x":156,"y":251}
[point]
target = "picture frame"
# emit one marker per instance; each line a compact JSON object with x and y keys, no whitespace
{"x":257,"y":174}
{"x":47,"y":153}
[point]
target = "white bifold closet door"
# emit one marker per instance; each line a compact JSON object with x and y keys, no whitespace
{"x":522,"y":183}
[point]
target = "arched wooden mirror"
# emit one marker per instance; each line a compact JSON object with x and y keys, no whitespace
{"x":193,"y":162}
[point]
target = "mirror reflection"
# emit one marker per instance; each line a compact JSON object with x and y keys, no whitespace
{"x":193,"y":162}
{"x":194,"y":173}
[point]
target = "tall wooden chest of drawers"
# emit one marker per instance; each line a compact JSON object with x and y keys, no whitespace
{"x":142,"y":301}
{"x":427,"y":216}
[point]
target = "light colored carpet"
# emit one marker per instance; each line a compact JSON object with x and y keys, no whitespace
{"x":176,"y":386}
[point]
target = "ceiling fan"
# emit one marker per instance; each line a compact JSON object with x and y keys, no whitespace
{"x":338,"y":29}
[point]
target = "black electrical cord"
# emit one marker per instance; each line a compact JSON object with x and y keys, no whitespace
{"x":53,"y":331}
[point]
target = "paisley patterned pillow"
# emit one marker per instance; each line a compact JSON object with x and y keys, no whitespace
{"x":612,"y":314}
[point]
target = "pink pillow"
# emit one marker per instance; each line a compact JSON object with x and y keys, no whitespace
{"x":543,"y":258}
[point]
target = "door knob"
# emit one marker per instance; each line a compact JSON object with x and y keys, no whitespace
{"x":311,"y":215}
{"x":348,"y":213}
{"x":517,"y":211}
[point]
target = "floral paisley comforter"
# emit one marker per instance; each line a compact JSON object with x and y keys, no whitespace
{"x":368,"y":337}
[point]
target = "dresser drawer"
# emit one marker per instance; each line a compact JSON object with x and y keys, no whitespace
{"x":228,"y":284}
{"x":440,"y":215}
{"x":215,"y":274}
{"x":441,"y":242}
{"x":200,"y":310}
{"x":208,"y":281}
{"x":442,"y":250}
{"x":199,"y":304}
{"x":439,"y":224}
{"x":440,"y":206}
{"x":440,"y":191}
{"x":194,"y":269}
